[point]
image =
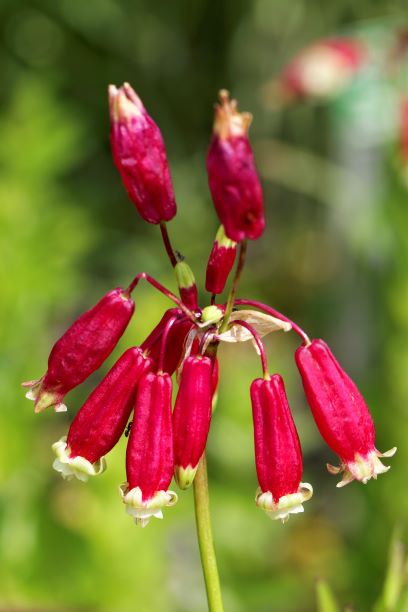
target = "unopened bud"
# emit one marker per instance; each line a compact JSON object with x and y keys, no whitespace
{"x":186,"y":284}
{"x":140,"y":156}
{"x":192,"y":417}
{"x":149,"y":455}
{"x":220,"y":262}
{"x":232,"y":176}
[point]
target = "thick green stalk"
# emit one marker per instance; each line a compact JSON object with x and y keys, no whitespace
{"x":205,"y":538}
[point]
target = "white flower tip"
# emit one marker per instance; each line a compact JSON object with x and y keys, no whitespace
{"x":143,"y":510}
{"x":78,"y":467}
{"x":286,"y":505}
{"x":362,"y":468}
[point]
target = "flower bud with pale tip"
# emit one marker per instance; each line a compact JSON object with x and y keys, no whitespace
{"x":277,"y":451}
{"x":186,"y":284}
{"x":82,"y":349}
{"x":149,"y":454}
{"x":220,"y":262}
{"x":232,"y":176}
{"x":101,"y":421}
{"x":192,"y":417}
{"x":341,"y":414}
{"x":139,"y":153}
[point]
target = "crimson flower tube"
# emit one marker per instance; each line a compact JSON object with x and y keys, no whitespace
{"x":192,"y":417}
{"x":149,"y":454}
{"x":140,"y":156}
{"x":102,"y":419}
{"x":278,"y":454}
{"x":82,"y":349}
{"x":341,"y":414}
{"x":234,"y":183}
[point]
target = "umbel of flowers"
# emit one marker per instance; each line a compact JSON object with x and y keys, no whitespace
{"x":136,"y":393}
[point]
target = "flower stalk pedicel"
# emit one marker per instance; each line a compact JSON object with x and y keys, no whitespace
{"x":82,"y":349}
{"x":140,"y":156}
{"x":277,"y":451}
{"x":101,"y":421}
{"x":341,"y":414}
{"x":149,"y":455}
{"x":192,"y":417}
{"x":220,"y":262}
{"x":232,"y":176}
{"x":175,"y":343}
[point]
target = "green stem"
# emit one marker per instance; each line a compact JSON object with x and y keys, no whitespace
{"x":205,"y":538}
{"x":233,"y":292}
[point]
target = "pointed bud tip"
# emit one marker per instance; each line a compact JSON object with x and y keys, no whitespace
{"x":185,"y":476}
{"x":228,"y":121}
{"x":124,"y":103}
{"x":184,"y":275}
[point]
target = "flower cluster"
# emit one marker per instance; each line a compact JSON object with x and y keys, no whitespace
{"x":136,"y":394}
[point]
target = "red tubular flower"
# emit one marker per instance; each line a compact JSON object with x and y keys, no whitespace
{"x":341,"y":414}
{"x":140,"y":156}
{"x":186,"y":284}
{"x":149,"y":455}
{"x":322,"y":69}
{"x":101,"y":421}
{"x":192,"y":417}
{"x":277,"y":451}
{"x":220,"y":262}
{"x":82,"y":349}
{"x":232,"y":176}
{"x":173,"y":351}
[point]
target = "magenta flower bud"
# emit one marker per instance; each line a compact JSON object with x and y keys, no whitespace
{"x":220,"y":262}
{"x":322,"y":69}
{"x":149,"y":455}
{"x":192,"y":417}
{"x":186,"y":284}
{"x":140,"y":156}
{"x":341,"y":414}
{"x":102,"y":419}
{"x":278,"y":454}
{"x":82,"y":349}
{"x":232,"y":176}
{"x":175,"y":344}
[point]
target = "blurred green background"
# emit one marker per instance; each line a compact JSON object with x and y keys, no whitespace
{"x":334,"y":258}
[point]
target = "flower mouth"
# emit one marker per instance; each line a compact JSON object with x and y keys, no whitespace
{"x":286,"y":505}
{"x":78,"y":467}
{"x":43,"y":399}
{"x":143,"y":510}
{"x":362,"y":468}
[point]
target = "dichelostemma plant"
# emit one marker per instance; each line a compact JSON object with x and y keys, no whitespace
{"x":162,"y":441}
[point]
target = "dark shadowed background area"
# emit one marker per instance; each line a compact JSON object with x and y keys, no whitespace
{"x":334,"y":258}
